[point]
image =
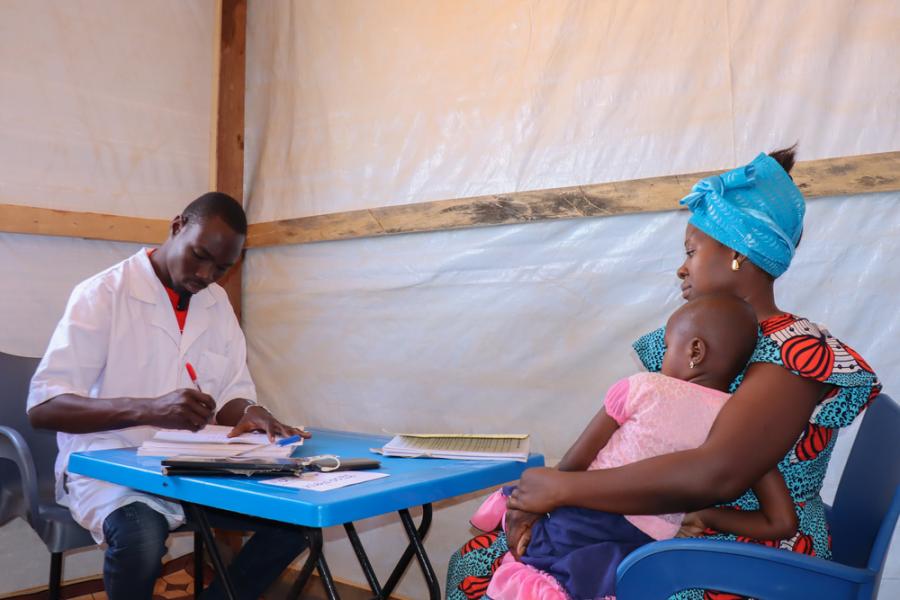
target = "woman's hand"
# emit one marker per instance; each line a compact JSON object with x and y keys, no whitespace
{"x":539,"y":490}
{"x":518,"y":530}
{"x":257,"y":418}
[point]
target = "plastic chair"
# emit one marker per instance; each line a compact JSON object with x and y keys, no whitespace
{"x":27,"y":458}
{"x":866,"y":509}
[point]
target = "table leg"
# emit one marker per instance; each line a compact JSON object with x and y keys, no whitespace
{"x":198,"y":565}
{"x":314,"y":535}
{"x":415,"y":539}
{"x":363,"y":559}
{"x":327,"y":581}
{"x":397,"y":573}
{"x":415,"y":547}
{"x":205,"y":530}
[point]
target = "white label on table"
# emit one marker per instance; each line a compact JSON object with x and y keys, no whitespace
{"x":322,"y":482}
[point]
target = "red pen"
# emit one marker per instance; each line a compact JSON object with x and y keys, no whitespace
{"x":193,"y":374}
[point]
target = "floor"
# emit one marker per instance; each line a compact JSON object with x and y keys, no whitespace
{"x":177,"y":583}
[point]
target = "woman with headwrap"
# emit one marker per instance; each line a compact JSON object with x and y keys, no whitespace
{"x":800,"y":387}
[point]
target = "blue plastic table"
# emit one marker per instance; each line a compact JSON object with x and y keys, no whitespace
{"x":412,"y":482}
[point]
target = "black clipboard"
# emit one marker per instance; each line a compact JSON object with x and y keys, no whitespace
{"x":249,"y":466}
{"x":233,"y":465}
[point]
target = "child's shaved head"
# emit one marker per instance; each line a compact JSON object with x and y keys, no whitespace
{"x":726,"y":328}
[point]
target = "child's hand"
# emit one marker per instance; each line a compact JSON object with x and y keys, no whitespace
{"x":692,"y":525}
{"x":518,"y":530}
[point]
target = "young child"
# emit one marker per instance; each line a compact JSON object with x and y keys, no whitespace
{"x":574,"y":552}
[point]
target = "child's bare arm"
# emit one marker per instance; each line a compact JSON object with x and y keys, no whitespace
{"x":775,"y":519}
{"x":589,"y":443}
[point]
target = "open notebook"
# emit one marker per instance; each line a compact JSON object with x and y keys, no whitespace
{"x":464,"y":446}
{"x":213,"y":441}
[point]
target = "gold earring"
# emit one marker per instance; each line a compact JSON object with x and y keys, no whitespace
{"x":691,"y":364}
{"x":735,"y":265}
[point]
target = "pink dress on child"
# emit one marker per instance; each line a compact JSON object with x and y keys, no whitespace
{"x":657,"y":415}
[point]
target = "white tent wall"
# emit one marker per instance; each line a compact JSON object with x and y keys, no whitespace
{"x":106,"y":105}
{"x":355,"y":105}
{"x":359,"y":104}
{"x":106,"y":108}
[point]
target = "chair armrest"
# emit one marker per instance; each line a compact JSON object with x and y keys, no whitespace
{"x":14,"y":447}
{"x":660,"y":569}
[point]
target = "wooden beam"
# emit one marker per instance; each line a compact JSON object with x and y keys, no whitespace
{"x":817,"y":178}
{"x":226,"y":165}
{"x":87,"y":225}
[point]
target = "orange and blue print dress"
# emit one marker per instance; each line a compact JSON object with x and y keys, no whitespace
{"x":792,"y":342}
{"x":809,"y":351}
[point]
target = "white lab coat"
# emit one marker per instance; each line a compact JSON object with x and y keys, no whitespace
{"x":119,"y":337}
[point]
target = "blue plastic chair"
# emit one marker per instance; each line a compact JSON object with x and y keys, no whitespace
{"x":866,"y":509}
{"x":27,"y":458}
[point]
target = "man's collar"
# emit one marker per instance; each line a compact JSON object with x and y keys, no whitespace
{"x":148,"y":288}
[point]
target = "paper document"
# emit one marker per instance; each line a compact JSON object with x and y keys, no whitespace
{"x":322,"y":482}
{"x":463,"y":446}
{"x":211,"y":434}
{"x":213,"y":441}
{"x":154,"y":448}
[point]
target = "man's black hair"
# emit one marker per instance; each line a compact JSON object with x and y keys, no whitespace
{"x":218,"y":204}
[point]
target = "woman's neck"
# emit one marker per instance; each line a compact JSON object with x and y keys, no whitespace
{"x":762,"y":299}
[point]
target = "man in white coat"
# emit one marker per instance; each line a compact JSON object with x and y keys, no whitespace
{"x":115,"y":372}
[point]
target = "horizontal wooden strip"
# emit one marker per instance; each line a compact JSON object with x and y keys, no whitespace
{"x":88,"y":225}
{"x":818,"y":178}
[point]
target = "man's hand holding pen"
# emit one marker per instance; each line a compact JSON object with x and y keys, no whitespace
{"x":182,"y":409}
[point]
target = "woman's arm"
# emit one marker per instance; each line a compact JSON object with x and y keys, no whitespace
{"x":594,"y":437}
{"x":752,"y":433}
{"x":775,"y":519}
{"x":578,"y":458}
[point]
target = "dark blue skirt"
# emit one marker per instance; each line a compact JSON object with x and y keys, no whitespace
{"x":582,"y":549}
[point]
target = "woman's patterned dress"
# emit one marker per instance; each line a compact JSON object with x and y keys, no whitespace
{"x":806,"y":350}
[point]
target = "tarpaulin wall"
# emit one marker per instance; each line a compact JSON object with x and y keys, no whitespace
{"x":355,"y":105}
{"x":106,"y":108}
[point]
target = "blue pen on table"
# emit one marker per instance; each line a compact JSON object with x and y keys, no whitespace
{"x":288,"y":440}
{"x":283,"y":442}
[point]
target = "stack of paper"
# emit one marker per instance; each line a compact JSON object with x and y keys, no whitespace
{"x":461,"y":446}
{"x":213,"y":441}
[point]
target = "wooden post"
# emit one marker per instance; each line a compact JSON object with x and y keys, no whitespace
{"x":226,"y":165}
{"x":226,"y":161}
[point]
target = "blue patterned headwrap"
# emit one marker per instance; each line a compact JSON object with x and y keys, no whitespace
{"x":755,"y":209}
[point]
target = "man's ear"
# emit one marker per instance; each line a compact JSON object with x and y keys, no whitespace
{"x":697,"y":351}
{"x":177,"y":225}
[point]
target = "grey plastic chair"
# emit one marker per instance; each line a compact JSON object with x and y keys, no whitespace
{"x":27,"y":458}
